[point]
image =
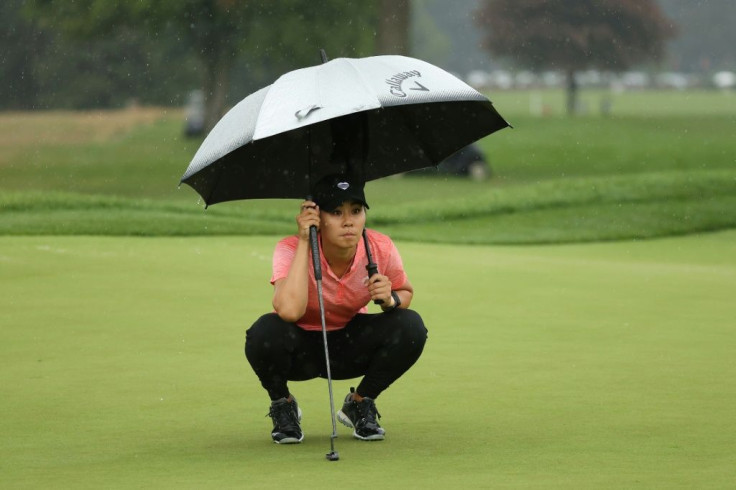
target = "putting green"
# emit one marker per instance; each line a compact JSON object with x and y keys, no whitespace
{"x":578,"y":366}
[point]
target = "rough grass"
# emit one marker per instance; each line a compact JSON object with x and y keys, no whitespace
{"x":579,"y":209}
{"x":73,"y":127}
{"x":22,"y":132}
{"x":637,"y":174}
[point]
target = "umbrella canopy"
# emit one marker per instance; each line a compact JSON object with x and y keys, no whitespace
{"x":369,"y":117}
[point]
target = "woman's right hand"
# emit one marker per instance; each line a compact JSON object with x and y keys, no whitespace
{"x":309,"y":216}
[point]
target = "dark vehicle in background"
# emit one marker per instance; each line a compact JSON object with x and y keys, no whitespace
{"x":468,"y":162}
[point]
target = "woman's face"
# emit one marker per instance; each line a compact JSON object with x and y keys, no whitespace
{"x":343,"y":227}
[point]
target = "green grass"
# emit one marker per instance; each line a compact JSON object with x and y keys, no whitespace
{"x":570,"y":366}
{"x":144,"y":162}
{"x":642,"y":205}
{"x":638,"y":103}
{"x":576,"y":365}
{"x":662,"y":165}
{"x":559,"y":148}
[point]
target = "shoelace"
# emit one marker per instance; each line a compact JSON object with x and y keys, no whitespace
{"x":367,"y":409}
{"x":284,"y":416}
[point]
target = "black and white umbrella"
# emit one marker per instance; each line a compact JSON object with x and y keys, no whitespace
{"x":369,"y":117}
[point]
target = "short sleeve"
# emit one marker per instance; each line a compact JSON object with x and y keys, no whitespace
{"x":395,"y":270}
{"x":283,"y":256}
{"x":388,"y":259}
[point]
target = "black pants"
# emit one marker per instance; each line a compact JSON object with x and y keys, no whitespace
{"x":381,"y":347}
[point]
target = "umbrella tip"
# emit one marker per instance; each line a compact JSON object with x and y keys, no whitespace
{"x":323,"y":55}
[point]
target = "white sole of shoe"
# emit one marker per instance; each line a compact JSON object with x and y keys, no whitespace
{"x":345,"y":420}
{"x":290,"y":440}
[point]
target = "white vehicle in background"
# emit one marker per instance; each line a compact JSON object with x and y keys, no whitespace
{"x":724,"y":80}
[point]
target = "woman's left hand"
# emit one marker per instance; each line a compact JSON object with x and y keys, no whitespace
{"x":379,"y":286}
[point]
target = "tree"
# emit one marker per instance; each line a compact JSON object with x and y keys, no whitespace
{"x":269,"y":35}
{"x":393,"y":27}
{"x":575,"y":35}
{"x":203,"y":25}
{"x":18,"y":84}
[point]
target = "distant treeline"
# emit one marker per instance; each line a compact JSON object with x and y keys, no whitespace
{"x":59,"y":55}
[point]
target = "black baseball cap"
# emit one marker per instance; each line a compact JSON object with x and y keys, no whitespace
{"x":331,"y":191}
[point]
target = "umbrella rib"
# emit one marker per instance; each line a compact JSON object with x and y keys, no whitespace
{"x":366,"y":86}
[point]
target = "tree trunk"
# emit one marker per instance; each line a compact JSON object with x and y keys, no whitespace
{"x":216,"y":85}
{"x":393,"y":27}
{"x":572,"y":93}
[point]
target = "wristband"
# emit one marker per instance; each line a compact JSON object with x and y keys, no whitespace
{"x":397,"y":302}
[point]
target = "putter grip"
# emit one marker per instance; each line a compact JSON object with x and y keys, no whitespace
{"x":372,"y":268}
{"x":315,"y":252}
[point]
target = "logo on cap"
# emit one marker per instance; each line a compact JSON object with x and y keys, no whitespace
{"x":343,"y":186}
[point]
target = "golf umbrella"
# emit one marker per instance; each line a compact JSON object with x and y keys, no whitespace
{"x":367,"y":117}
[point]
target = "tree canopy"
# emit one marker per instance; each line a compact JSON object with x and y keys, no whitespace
{"x":609,"y":35}
{"x":213,"y":44}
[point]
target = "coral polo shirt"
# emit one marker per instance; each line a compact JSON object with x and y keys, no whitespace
{"x":345,"y":296}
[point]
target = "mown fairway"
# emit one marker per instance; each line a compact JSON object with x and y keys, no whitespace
{"x":602,"y":359}
{"x":575,"y":366}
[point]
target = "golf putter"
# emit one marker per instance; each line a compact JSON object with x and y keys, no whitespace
{"x":332,"y":455}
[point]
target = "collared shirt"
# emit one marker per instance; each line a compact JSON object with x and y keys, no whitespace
{"x":345,"y":296}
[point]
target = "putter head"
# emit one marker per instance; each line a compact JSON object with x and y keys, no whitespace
{"x":332,"y":456}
